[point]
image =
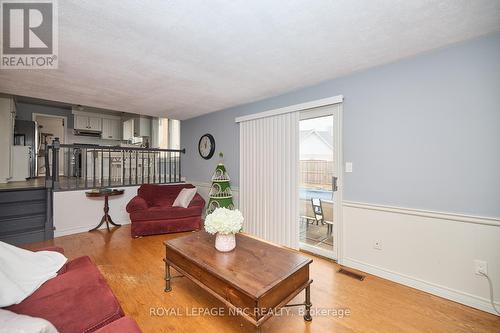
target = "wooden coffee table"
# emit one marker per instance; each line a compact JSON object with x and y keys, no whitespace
{"x":254,"y":280}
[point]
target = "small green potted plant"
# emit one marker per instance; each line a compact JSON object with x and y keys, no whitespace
{"x":224,"y":224}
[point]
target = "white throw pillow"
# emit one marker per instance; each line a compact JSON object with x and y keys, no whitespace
{"x":184,"y":197}
{"x":22,"y":272}
{"x":11,"y":322}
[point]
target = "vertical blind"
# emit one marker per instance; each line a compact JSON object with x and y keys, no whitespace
{"x":269,"y":164}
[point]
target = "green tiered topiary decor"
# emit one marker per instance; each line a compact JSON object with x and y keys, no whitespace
{"x":220,"y":193}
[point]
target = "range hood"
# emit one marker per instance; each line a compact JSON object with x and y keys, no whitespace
{"x":95,"y":134}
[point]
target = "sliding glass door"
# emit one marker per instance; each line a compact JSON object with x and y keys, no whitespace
{"x":318,"y":175}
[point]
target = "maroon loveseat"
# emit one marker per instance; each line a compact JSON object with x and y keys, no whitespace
{"x":151,"y":211}
{"x":77,"y":300}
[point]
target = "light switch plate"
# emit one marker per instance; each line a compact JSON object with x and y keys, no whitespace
{"x":348,"y":166}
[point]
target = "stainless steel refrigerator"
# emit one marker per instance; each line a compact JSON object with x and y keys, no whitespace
{"x":26,"y":134}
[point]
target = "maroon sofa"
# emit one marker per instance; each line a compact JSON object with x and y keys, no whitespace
{"x":77,"y":300}
{"x":151,"y":211}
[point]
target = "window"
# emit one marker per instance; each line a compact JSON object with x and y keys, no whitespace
{"x":169,"y":134}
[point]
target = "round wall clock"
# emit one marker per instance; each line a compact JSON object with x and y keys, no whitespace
{"x":206,"y":146}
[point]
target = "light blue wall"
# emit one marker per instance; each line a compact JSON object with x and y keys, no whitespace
{"x":422,"y":133}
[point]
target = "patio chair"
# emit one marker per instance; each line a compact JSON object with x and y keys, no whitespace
{"x":319,"y":216}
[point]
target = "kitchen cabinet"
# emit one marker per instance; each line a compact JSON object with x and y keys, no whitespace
{"x":142,"y":126}
{"x":95,"y":124}
{"x":128,"y":129}
{"x":136,"y":127}
{"x":110,"y":129}
{"x":83,"y":122}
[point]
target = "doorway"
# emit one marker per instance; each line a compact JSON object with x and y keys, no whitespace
{"x":319,"y":180}
{"x":49,"y":128}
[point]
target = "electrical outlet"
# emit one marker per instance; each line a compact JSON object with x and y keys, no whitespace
{"x":377,"y":245}
{"x":480,"y":266}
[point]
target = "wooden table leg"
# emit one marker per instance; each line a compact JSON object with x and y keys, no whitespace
{"x":168,"y":277}
{"x":106,"y":210}
{"x":99,"y":225}
{"x":307,"y":316}
{"x":113,"y":223}
{"x":106,"y":218}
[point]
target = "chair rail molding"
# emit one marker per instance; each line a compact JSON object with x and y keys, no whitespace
{"x":426,"y":213}
{"x":427,"y":250}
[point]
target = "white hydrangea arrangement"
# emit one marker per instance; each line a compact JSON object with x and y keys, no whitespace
{"x":224,"y":221}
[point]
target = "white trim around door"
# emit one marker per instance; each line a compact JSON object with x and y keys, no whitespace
{"x":338,"y":99}
{"x":321,"y":111}
{"x":65,"y":124}
{"x":293,"y":108}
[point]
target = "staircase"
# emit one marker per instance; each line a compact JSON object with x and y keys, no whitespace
{"x":24,"y":215}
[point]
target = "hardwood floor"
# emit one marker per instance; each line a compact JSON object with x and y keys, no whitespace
{"x":135,"y":271}
{"x":25,"y":184}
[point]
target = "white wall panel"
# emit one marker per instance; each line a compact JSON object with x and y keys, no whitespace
{"x":74,"y":212}
{"x":430,"y":251}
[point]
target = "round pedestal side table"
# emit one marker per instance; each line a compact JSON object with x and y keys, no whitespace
{"x":105,"y":194}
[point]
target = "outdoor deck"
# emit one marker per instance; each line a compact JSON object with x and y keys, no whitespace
{"x":316,"y":235}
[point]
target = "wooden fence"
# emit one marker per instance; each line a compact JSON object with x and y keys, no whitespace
{"x":317,"y":174}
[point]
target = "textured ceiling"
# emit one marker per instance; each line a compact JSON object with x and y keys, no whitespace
{"x":184,"y":58}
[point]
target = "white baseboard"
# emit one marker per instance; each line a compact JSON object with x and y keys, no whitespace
{"x":427,"y":250}
{"x":441,"y":291}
